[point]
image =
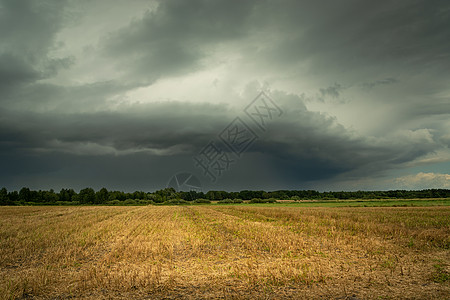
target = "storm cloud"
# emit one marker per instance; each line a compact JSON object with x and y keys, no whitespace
{"x":126,"y":95}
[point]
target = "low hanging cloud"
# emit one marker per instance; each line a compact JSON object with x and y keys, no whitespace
{"x":306,"y":145}
{"x":424,"y":181}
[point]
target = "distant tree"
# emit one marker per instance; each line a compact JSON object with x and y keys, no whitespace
{"x":117,"y":195}
{"x":4,"y":199}
{"x":156,"y":198}
{"x":211,"y":195}
{"x":13,"y":196}
{"x":246,"y":194}
{"x":222,"y":195}
{"x":265,"y":195}
{"x":49,"y":196}
{"x":87,"y":196}
{"x":167,"y":194}
{"x":139,"y":195}
{"x":24,"y":194}
{"x":66,"y":195}
{"x":102,"y":196}
{"x":191,"y":195}
{"x":234,"y":195}
{"x":36,"y":196}
{"x":256,"y":200}
{"x":129,"y":202}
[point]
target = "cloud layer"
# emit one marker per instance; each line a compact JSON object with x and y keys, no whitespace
{"x":424,"y":181}
{"x":128,"y":99}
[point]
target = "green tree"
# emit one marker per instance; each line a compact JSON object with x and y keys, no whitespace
{"x":101,"y":196}
{"x":4,"y":199}
{"x":87,"y":196}
{"x":66,"y":195}
{"x":167,"y":194}
{"x":13,"y":196}
{"x":49,"y":196}
{"x":24,"y":194}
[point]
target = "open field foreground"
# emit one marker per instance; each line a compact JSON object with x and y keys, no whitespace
{"x":171,"y":252}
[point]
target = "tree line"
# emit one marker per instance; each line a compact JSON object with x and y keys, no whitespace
{"x":88,"y":195}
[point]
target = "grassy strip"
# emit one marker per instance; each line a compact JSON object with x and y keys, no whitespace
{"x":357,"y":203}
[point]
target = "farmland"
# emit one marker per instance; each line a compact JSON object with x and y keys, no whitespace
{"x":220,"y":251}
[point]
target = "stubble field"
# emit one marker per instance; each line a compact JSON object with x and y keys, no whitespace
{"x":229,"y":252}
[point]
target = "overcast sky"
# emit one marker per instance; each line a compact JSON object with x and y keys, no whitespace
{"x":126,"y":94}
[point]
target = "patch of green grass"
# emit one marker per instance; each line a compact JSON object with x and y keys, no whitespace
{"x":440,"y":275}
{"x":360,"y":203}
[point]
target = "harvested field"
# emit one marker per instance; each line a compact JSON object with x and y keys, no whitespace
{"x":211,"y":251}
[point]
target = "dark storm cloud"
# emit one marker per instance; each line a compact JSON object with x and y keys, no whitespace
{"x":41,"y":97}
{"x":302,"y":137}
{"x":159,"y":126}
{"x":350,"y":34}
{"x":332,"y":91}
{"x":27,"y":31}
{"x":174,"y":39}
{"x":338,"y":41}
{"x":80,"y":132}
{"x":14,"y":71}
{"x":305,"y":145}
{"x":62,"y":170}
{"x":28,"y":27}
